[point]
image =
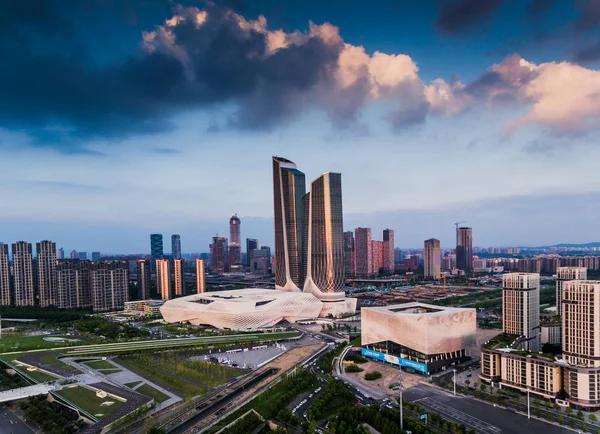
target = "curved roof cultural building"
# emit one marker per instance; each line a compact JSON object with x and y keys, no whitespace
{"x":242,"y":309}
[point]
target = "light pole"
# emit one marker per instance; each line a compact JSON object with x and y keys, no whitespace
{"x":528,"y":411}
{"x":401,"y":383}
{"x":454,"y":382}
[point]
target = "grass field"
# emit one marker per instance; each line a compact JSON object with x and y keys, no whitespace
{"x":52,"y":360}
{"x":27,"y":343}
{"x":100,"y":364}
{"x":132,"y":384}
{"x":87,"y":400}
{"x":150,"y":391}
{"x":110,"y":371}
{"x":39,"y":376}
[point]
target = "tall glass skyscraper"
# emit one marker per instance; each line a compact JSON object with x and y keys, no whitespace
{"x":464,"y":249}
{"x":175,"y":246}
{"x":325,"y":228}
{"x":289,"y":188}
{"x":235,"y":242}
{"x":156,"y":246}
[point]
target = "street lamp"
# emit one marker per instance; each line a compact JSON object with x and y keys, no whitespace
{"x":528,"y":410}
{"x":454,"y":370}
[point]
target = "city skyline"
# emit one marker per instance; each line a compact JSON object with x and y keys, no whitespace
{"x":461,"y":114}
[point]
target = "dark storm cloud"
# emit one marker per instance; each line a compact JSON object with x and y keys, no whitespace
{"x":590,"y":53}
{"x":459,"y":15}
{"x":538,"y":8}
{"x":47,"y":82}
{"x":589,"y":17}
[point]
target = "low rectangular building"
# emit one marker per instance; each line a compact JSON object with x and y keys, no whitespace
{"x":420,"y":336}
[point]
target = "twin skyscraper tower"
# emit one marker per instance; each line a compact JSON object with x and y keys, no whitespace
{"x":309,"y":236}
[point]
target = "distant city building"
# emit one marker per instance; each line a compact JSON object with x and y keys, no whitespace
{"x":251,"y":245}
{"x":464,"y":250}
{"x":23,"y":273}
{"x":235,"y":242}
{"x":143,"y":279}
{"x":156,"y":246}
{"x":325,"y":251}
{"x":5,"y":298}
{"x":60,"y":254}
{"x":82,"y":255}
{"x":564,"y":274}
{"x":521,"y":308}
{"x":349,"y":258}
{"x":175,"y":246}
{"x":388,"y":252}
{"x":289,"y":189}
{"x":431,"y":258}
{"x":148,"y":308}
{"x":110,"y":285}
{"x":376,"y":256}
{"x":178,"y":277}
{"x":163,"y":279}
{"x":46,"y":273}
{"x":74,"y":254}
{"x":74,"y":284}
{"x":200,"y":276}
{"x":218,"y":255}
{"x":95,"y":256}
{"x":362,"y":252}
{"x":397,"y":256}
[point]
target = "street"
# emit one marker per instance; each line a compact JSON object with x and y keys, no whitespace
{"x":482,"y":417}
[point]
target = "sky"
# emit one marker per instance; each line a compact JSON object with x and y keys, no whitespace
{"x":121,"y":118}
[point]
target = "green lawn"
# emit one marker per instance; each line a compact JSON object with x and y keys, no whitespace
{"x":39,"y":376}
{"x":26,"y":343}
{"x":132,"y":384}
{"x":100,"y":364}
{"x":52,"y":360}
{"x":87,"y":400}
{"x":150,"y":391}
{"x":110,"y":371}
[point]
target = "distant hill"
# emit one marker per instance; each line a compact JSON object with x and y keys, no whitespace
{"x":580,"y":246}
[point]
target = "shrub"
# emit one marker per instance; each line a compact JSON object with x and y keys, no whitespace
{"x":375,"y":375}
{"x":353,"y":368}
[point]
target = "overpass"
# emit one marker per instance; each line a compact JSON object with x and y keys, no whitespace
{"x":25,"y":392}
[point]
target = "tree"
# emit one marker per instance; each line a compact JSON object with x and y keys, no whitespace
{"x":569,"y":411}
{"x":467,"y":382}
{"x":561,"y":419}
{"x":482,"y":387}
{"x":579,"y":415}
{"x":593,"y":418}
{"x":556,"y":407}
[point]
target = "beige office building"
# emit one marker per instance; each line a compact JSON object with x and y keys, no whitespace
{"x":200,"y":275}
{"x":521,"y":308}
{"x":432,"y":258}
{"x":178,"y":277}
{"x":163,"y":278}
{"x":564,"y":274}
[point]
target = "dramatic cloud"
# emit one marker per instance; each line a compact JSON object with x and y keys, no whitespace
{"x":537,"y":8}
{"x":198,"y":58}
{"x":459,"y":15}
{"x":590,"y":15}
{"x":590,"y":53}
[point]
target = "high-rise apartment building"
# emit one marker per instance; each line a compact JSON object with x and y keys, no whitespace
{"x":109,"y":285}
{"x":432,"y":258}
{"x":349,"y":259}
{"x":143,"y":279}
{"x":178,"y":277}
{"x":175,"y":246}
{"x":376,"y":256}
{"x":82,"y":255}
{"x":564,"y":274}
{"x":73,"y":254}
{"x":60,"y":254}
{"x":218,"y":255}
{"x":325,"y":259}
{"x":74,"y":284}
{"x":397,"y":256}
{"x":581,"y":323}
{"x":251,"y":245}
{"x":95,"y":256}
{"x":200,"y":283}
{"x":388,"y":252}
{"x":362,"y":252}
{"x":464,"y":250}
{"x":289,"y":189}
{"x":46,"y":273}
{"x":156,"y":246}
{"x":163,"y":279}
{"x":235,"y":241}
{"x":521,"y":308}
{"x":4,"y":275}
{"x":23,"y":273}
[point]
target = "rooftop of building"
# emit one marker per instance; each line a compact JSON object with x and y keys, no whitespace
{"x":504,"y":342}
{"x":245,"y":295}
{"x":417,"y":308}
{"x":551,"y":320}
